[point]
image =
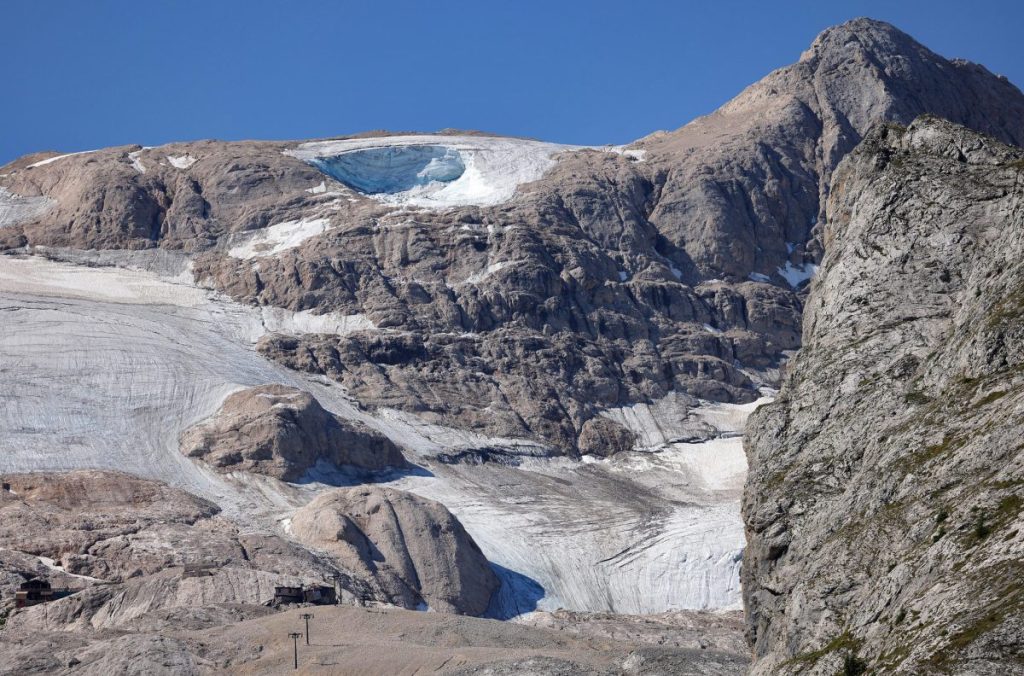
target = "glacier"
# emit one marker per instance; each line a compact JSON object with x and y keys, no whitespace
{"x":106,"y":366}
{"x":433,"y":171}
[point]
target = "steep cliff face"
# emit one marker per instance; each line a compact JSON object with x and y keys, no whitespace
{"x":525,"y":287}
{"x":884,"y":501}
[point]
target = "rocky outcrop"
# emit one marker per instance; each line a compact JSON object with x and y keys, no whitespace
{"x":413,"y":546}
{"x":884,"y":502}
{"x":614,"y":279}
{"x":140,"y":554}
{"x":53,"y":515}
{"x":283,"y":432}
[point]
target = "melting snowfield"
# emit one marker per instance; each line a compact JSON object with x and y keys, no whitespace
{"x":104,"y":367}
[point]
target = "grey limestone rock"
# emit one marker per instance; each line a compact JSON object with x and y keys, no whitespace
{"x":883,"y":504}
{"x":594,"y":287}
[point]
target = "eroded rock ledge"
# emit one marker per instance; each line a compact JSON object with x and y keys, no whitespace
{"x":124,"y":545}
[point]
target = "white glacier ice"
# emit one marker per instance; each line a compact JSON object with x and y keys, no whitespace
{"x":393,"y":169}
{"x":105,"y":367}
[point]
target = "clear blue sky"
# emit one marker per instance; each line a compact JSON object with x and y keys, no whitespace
{"x":83,"y":74}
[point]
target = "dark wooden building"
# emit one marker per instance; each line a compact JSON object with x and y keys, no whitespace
{"x":36,"y":591}
{"x":317,"y":594}
{"x":320,"y":595}
{"x":288,"y":595}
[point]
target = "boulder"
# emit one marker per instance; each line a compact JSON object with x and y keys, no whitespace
{"x":284,"y":432}
{"x":413,"y":546}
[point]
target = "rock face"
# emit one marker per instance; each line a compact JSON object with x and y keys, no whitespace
{"x":585,"y":303}
{"x":125,"y":546}
{"x":124,"y":543}
{"x":49,"y":516}
{"x":283,"y":432}
{"x":616,"y":278}
{"x":884,"y":502}
{"x":413,"y":546}
{"x":753,"y":177}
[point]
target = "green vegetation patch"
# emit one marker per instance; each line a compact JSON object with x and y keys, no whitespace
{"x":948,"y":444}
{"x":916,"y":398}
{"x":844,"y":641}
{"x":1008,"y":310}
{"x":1007,"y":579}
{"x":1008,"y":511}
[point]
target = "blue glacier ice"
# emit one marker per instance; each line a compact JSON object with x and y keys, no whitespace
{"x":393,"y":169}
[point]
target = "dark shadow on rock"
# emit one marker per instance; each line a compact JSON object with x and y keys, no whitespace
{"x":343,"y":477}
{"x":517,"y":595}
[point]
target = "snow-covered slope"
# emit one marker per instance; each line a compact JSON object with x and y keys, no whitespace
{"x":104,"y":367}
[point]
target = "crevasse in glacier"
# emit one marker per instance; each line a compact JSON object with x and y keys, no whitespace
{"x":393,"y":169}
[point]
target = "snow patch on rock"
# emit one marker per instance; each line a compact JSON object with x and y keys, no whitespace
{"x":796,"y":275}
{"x":277,"y":238}
{"x":182,"y":161}
{"x":136,"y":162}
{"x":279,"y":320}
{"x":490,"y":270}
{"x":48,"y":160}
{"x":678,"y":418}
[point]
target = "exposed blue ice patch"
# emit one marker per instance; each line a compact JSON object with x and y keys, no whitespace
{"x":393,"y":169}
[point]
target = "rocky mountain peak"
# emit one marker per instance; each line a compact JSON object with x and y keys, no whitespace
{"x":878,"y":38}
